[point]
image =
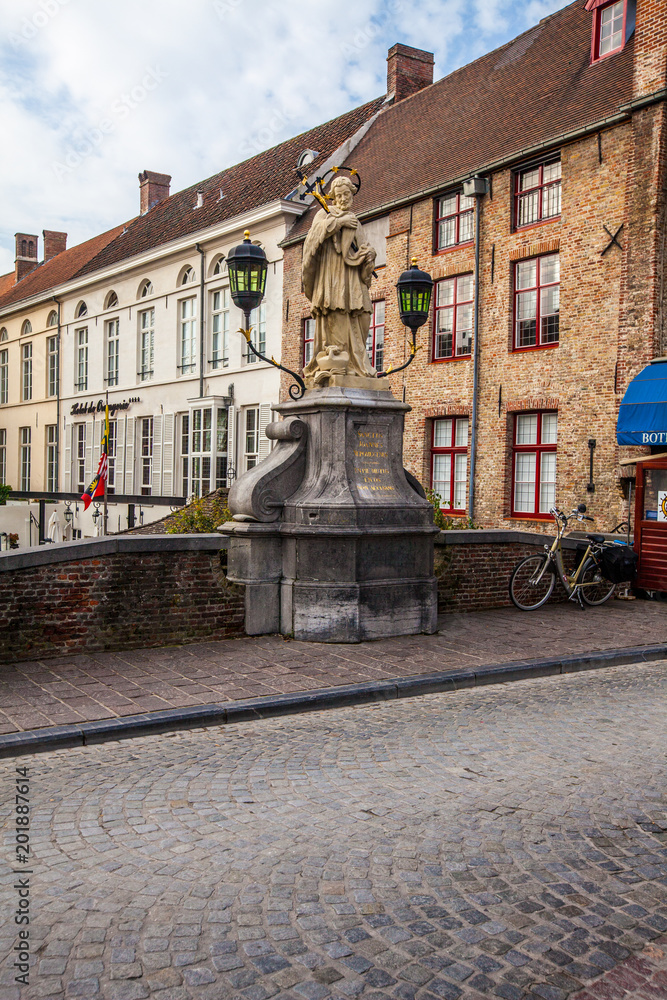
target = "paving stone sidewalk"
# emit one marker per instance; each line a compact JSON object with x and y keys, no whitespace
{"x":107,"y":685}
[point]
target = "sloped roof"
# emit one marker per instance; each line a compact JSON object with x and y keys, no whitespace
{"x":263,"y":178}
{"x":63,"y":267}
{"x":6,"y":282}
{"x":257,"y":181}
{"x":531,"y":90}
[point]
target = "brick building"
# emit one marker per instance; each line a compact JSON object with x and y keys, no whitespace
{"x":566,"y":125}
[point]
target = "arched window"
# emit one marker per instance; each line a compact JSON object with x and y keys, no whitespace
{"x":52,"y":319}
{"x":145,"y":288}
{"x":111,"y":300}
{"x":3,"y":334}
{"x":187,"y":276}
{"x":219,"y":266}
{"x":24,"y":248}
{"x":31,"y":247}
{"x":26,"y":328}
{"x":81,"y":310}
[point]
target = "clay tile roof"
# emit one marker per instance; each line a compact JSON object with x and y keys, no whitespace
{"x":63,"y":267}
{"x":261,"y":179}
{"x":530,"y":91}
{"x":6,"y":282}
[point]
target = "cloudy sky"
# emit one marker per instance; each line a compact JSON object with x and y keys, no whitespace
{"x":91,"y":92}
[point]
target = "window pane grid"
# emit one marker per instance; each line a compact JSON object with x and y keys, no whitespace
{"x":453,"y":320}
{"x":534,"y":477}
{"x":146,"y":344}
{"x":82,"y":359}
{"x":611,"y":28}
{"x":308,"y":340}
{"x":52,"y":366}
{"x":454,"y":220}
{"x":538,"y":193}
{"x":375,"y":341}
{"x":4,"y":376}
{"x":537,"y":301}
{"x":26,"y":355}
{"x":220,"y":335}
{"x":449,"y":462}
{"x":188,"y":323}
{"x":258,"y":335}
{"x":113,"y":351}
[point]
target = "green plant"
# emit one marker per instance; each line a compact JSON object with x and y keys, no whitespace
{"x":201,"y":516}
{"x":442,"y":520}
{"x":4,"y":492}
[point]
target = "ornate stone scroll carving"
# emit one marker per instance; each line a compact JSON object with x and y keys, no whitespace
{"x":260,"y":493}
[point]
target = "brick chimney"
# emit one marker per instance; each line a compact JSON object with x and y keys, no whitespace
{"x":408,"y":70}
{"x":153,"y":188}
{"x":26,"y":254}
{"x":54,"y":243}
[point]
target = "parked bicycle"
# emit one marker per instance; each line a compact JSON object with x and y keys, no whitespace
{"x":600,"y":567}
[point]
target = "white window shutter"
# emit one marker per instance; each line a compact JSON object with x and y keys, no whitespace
{"x":231,"y":440}
{"x":168,"y":455}
{"x":90,"y":433}
{"x":119,"y":467}
{"x":129,"y":455}
{"x":157,"y":455}
{"x":264,"y":419}
{"x":67,"y":434}
{"x":96,"y":431}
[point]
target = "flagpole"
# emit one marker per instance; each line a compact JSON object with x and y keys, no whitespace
{"x":106,"y":478}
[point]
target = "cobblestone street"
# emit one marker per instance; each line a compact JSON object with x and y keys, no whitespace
{"x":500,"y":842}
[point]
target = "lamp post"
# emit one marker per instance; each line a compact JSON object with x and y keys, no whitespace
{"x":414,"y":289}
{"x":247,"y":266}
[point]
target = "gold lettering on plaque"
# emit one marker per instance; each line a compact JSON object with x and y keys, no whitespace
{"x":371,"y":463}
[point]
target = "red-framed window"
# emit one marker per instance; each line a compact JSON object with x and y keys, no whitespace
{"x":536,"y":302}
{"x":454,"y":220}
{"x":453,"y":317}
{"x":449,"y":462}
{"x":375,"y":341}
{"x":534,"y":464}
{"x":609,"y":27}
{"x":537,"y":190}
{"x":308,"y":340}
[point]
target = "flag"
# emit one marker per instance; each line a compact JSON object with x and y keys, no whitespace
{"x":96,"y":488}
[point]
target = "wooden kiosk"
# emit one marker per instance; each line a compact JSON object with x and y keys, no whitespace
{"x":651,"y":522}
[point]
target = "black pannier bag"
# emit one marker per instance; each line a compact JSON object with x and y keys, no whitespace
{"x":618,"y":563}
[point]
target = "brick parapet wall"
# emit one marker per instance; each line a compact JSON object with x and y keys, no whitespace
{"x":474,"y":567}
{"x":116,"y":593}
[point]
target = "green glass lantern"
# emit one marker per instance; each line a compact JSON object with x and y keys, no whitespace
{"x":414,"y":289}
{"x":247,"y":266}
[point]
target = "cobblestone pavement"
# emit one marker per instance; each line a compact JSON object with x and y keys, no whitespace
{"x":56,"y":692}
{"x":506,"y":842}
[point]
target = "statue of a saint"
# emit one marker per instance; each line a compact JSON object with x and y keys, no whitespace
{"x":337,"y":268}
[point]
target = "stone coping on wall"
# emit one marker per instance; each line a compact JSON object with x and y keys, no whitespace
{"x":93,"y":548}
{"x":499,"y":536}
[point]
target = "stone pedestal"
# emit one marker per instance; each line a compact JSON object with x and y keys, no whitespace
{"x":332,"y":538}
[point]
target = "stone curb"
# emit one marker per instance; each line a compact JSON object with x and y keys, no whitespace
{"x":272,"y":706}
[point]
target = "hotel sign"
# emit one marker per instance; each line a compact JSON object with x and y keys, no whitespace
{"x":80,"y":409}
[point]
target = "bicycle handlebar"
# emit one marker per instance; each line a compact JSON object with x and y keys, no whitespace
{"x":560,"y":515}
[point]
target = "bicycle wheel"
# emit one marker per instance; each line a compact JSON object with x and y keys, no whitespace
{"x":595,"y":590}
{"x":530,"y":588}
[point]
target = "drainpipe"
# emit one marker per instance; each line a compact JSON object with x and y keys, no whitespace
{"x":202,"y":264}
{"x":57,"y":470}
{"x":475,"y":187}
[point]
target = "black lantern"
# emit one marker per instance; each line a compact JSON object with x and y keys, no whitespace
{"x":247,"y":266}
{"x":69,"y":513}
{"x":414,"y":289}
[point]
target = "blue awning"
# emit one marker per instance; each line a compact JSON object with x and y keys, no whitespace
{"x":642,"y":418}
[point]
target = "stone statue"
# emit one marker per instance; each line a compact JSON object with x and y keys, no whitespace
{"x":337,"y":268}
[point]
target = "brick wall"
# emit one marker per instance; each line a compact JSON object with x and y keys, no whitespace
{"x":116,"y":594}
{"x":474,"y":567}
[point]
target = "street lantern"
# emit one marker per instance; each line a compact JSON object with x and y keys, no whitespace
{"x":247,"y":266}
{"x":69,"y":513}
{"x":414,"y":289}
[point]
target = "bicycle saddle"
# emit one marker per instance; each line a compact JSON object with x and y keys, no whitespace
{"x":595,"y":538}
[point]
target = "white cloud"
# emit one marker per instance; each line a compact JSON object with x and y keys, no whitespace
{"x":93,"y":93}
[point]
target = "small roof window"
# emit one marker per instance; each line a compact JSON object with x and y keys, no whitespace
{"x":111,"y":300}
{"x":52,"y":318}
{"x":81,"y":310}
{"x":26,"y":328}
